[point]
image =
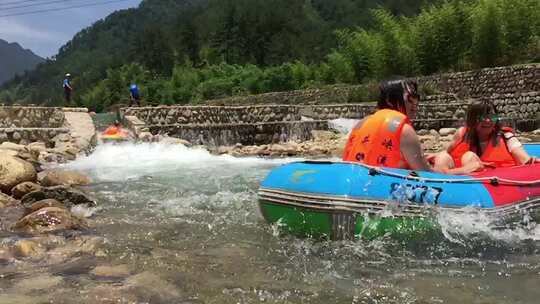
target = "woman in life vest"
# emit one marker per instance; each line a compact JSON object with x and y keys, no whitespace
{"x":481,"y":143}
{"x":387,"y":138}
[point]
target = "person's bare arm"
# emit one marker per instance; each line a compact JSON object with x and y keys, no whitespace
{"x":520,"y":155}
{"x":454,"y":140}
{"x":412,"y":150}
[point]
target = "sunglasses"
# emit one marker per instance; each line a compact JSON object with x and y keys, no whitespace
{"x":490,"y":117}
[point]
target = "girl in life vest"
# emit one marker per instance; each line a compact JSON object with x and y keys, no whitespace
{"x":387,"y":138}
{"x":481,"y":143}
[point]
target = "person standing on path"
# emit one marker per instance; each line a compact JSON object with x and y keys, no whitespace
{"x":67,"y":88}
{"x":134,"y":95}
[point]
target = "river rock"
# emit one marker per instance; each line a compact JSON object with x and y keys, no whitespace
{"x":146,"y":136}
{"x":69,"y":196}
{"x":23,"y":188}
{"x":10,"y":215}
{"x":422,"y":132}
{"x":14,"y":171}
{"x":119,"y":271}
{"x":39,"y":282}
{"x":9,"y":152}
{"x":174,"y":141}
{"x":57,"y":177}
{"x":224,"y":149}
{"x":447,"y":131}
{"x":42,"y":204}
{"x":49,"y":219}
{"x":77,"y":266}
{"x":320,"y":135}
{"x":12,"y":146}
{"x":68,"y":151}
{"x":62,"y":137}
{"x":37,"y":147}
{"x":148,"y":285}
{"x":26,"y":248}
{"x":6,"y":200}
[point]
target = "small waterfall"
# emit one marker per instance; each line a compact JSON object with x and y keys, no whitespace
{"x":342,"y":125}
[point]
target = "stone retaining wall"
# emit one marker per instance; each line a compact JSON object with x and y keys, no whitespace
{"x":26,"y":124}
{"x":519,"y":106}
{"x":246,"y":134}
{"x":485,"y":82}
{"x":30,"y":117}
{"x":228,"y":125}
{"x":330,"y":94}
{"x":25,"y":136}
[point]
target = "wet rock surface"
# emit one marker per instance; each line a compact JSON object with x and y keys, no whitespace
{"x":24,"y":188}
{"x":69,"y":196}
{"x":14,"y":171}
{"x":58,"y":177}
{"x":49,"y":219}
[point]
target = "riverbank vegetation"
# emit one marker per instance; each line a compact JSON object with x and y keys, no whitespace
{"x":213,"y":49}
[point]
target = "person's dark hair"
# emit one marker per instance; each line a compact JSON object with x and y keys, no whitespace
{"x":391,"y":94}
{"x":476,"y":109}
{"x":116,"y":123}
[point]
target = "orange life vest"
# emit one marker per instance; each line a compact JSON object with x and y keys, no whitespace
{"x":496,"y":154}
{"x":377,"y":141}
{"x":112,"y":130}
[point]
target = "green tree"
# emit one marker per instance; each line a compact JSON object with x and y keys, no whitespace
{"x":487,"y":34}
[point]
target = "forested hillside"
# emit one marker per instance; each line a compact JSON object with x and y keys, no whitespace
{"x":14,"y":60}
{"x":188,"y":51}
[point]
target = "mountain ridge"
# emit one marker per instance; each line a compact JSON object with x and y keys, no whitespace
{"x":15,"y":60}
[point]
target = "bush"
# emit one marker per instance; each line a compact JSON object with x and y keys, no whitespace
{"x":215,"y":88}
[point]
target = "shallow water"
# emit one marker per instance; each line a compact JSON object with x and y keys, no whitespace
{"x":184,"y":227}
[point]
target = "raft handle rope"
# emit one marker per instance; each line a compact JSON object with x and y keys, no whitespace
{"x":493,"y":180}
{"x":373,"y":171}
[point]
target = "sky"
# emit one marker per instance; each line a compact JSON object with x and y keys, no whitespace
{"x":45,"y":32}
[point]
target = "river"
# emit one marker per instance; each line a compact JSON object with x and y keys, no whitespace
{"x":186,"y":228}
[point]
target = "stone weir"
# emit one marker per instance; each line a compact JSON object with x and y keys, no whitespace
{"x":249,"y":125}
{"x":261,"y":119}
{"x":50,"y":125}
{"x":255,"y":125}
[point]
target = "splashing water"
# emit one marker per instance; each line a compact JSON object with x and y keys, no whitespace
{"x":188,"y":226}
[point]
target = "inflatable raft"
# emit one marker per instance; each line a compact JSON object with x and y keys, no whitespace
{"x":346,"y":200}
{"x":113,"y":137}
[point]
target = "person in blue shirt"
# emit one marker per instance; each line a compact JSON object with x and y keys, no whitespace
{"x":67,"y":88}
{"x":134,"y":95}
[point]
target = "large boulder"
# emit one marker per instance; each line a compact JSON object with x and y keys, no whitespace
{"x":6,"y":200}
{"x":57,"y":177}
{"x":12,"y":146}
{"x":24,"y":188}
{"x":14,"y":171}
{"x":42,"y":204}
{"x":49,"y":219}
{"x":69,"y":196}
